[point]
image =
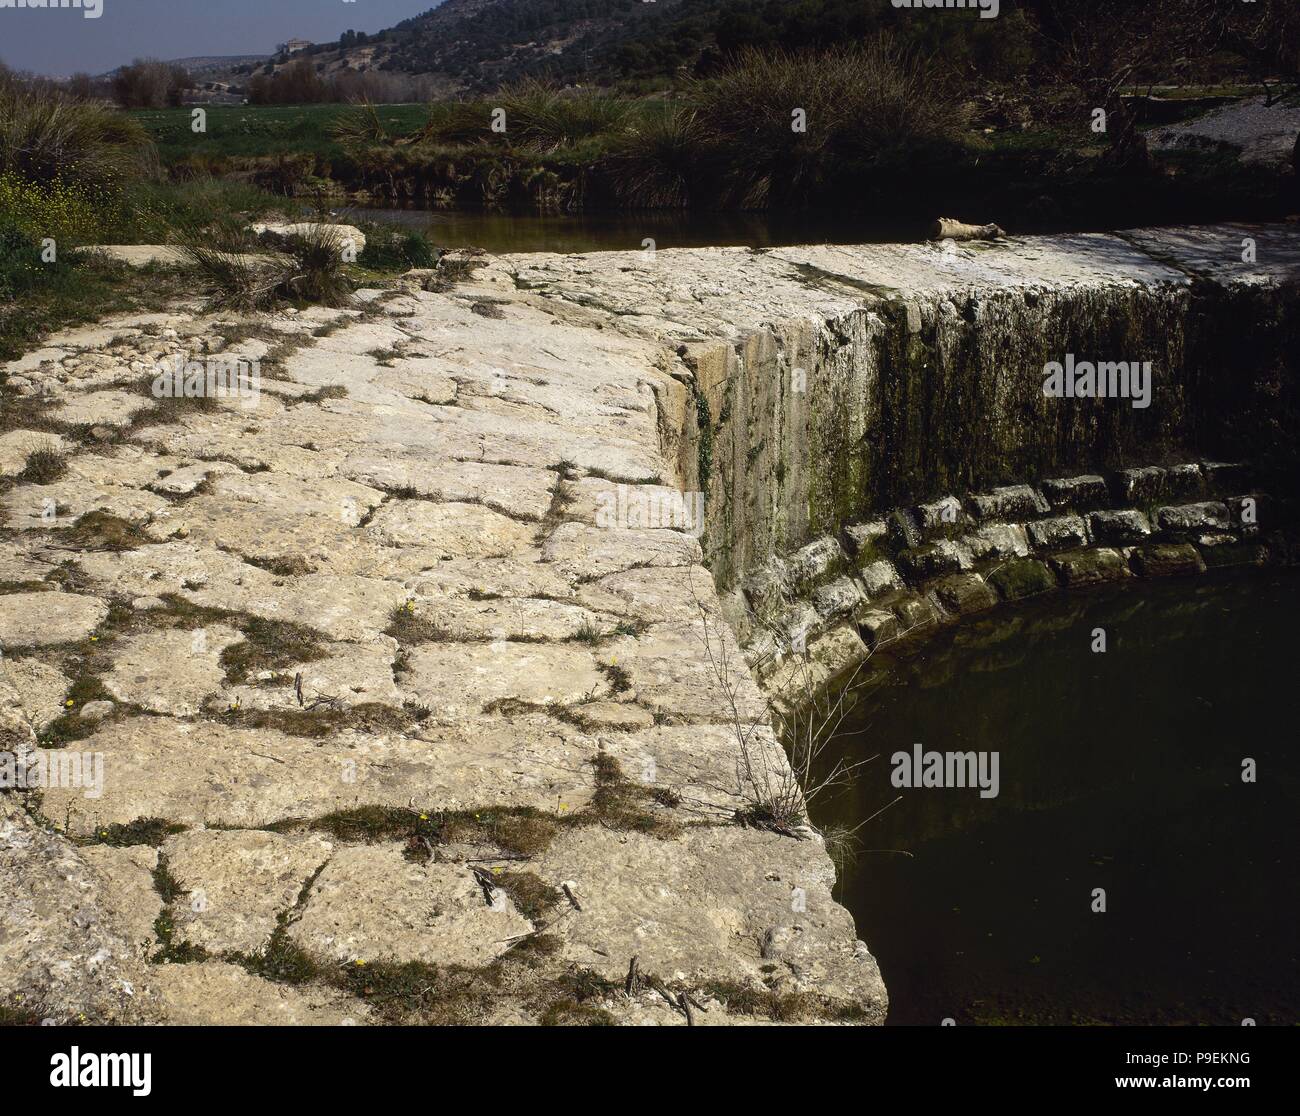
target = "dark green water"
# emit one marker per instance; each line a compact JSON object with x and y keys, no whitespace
{"x":625,"y":231}
{"x":1120,"y":770}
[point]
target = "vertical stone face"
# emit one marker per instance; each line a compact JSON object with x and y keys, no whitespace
{"x":818,"y":423}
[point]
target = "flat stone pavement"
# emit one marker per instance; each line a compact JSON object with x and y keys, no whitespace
{"x":384,"y":666}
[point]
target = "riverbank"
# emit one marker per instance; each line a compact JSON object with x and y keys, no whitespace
{"x":595,"y":154}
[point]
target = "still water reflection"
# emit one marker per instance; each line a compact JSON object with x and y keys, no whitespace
{"x":1119,"y":770}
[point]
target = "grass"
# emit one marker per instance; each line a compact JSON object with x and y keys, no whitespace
{"x":241,"y":275}
{"x":532,"y":896}
{"x":780,"y":1007}
{"x":588,"y":633}
{"x":46,"y":136}
{"x":261,"y":131}
{"x":884,"y":129}
{"x":866,"y":108}
{"x":407,"y":626}
{"x":419,"y":992}
{"x":328,"y":720}
{"x":170,"y":951}
{"x":270,"y":645}
{"x":20,"y":1014}
{"x":142,"y":831}
{"x":70,"y":726}
{"x":522,"y":831}
{"x":74,"y":174}
{"x":619,"y":679}
{"x":101,"y":530}
{"x":571,"y":1013}
{"x":724,"y":141}
{"x":44,"y":466}
{"x":620,"y":803}
{"x":58,"y":297}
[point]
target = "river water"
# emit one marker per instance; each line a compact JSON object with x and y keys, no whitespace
{"x":627,"y":231}
{"x":1119,"y":770}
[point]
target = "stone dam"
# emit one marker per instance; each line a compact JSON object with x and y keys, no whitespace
{"x":444,"y":677}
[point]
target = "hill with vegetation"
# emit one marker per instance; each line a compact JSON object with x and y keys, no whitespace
{"x":476,"y":46}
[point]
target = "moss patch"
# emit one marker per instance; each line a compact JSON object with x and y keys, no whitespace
{"x":142,"y":831}
{"x":532,"y":896}
{"x":1021,"y":577}
{"x":99,"y":530}
{"x":327,"y":720}
{"x":270,"y":645}
{"x":523,"y":830}
{"x":623,"y":804}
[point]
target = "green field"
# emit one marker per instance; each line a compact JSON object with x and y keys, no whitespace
{"x":260,"y":130}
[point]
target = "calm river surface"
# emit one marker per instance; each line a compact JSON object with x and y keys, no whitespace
{"x":625,"y":231}
{"x":1120,"y":770}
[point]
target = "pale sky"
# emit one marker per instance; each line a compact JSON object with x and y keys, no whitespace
{"x":59,"y":42}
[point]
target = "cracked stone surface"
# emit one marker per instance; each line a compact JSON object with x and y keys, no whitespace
{"x":212,"y":993}
{"x":351,"y":674}
{"x":18,"y":445}
{"x":32,"y":691}
{"x":483,"y":533}
{"x":454,"y":530}
{"x":462,"y":679}
{"x":238,"y":882}
{"x":512,"y":619}
{"x":129,"y":897}
{"x":727,"y":892}
{"x":211,"y":773}
{"x":44,"y":619}
{"x":371,"y":904}
{"x":62,"y":954}
{"x":170,"y":671}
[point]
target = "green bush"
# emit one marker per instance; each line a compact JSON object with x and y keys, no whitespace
{"x":390,"y":249}
{"x":242,"y":275}
{"x":542,"y":117}
{"x":21,"y":267}
{"x":657,"y":161}
{"x":47,"y":136}
{"x":865,"y":107}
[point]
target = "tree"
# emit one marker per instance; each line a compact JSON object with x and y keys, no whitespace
{"x":1091,"y":54}
{"x":148,"y":83}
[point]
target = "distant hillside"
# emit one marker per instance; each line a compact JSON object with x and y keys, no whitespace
{"x":477,"y":45}
{"x":211,"y":66}
{"x":474,"y":46}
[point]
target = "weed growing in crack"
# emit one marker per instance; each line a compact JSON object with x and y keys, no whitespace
{"x":619,"y":679}
{"x":406,"y":625}
{"x":328,"y":719}
{"x":100,"y":530}
{"x":270,"y":645}
{"x":562,"y":497}
{"x":44,"y":466}
{"x":142,"y":831}
{"x":523,"y":831}
{"x":588,"y":633}
{"x":532,"y":896}
{"x":170,"y":951}
{"x":620,"y":803}
{"x":282,"y":959}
